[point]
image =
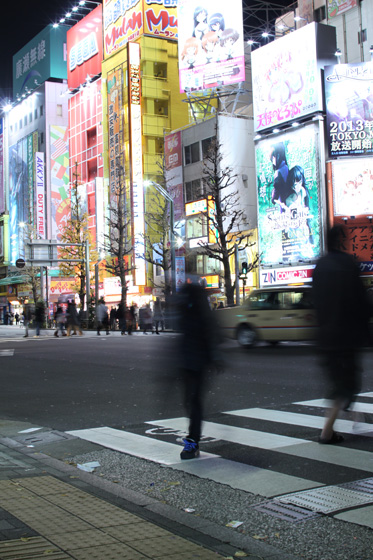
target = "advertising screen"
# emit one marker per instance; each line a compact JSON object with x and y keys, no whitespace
{"x":349,"y":108}
{"x":2,"y":197}
{"x":288,"y":197}
{"x":286,"y":79}
{"x":211,"y":44}
{"x":84,"y":49}
{"x":19,"y":202}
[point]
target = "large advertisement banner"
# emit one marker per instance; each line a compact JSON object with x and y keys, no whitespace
{"x":60,"y":192}
{"x":349,"y":108}
{"x":2,"y":193}
{"x":41,"y":228}
{"x":338,"y":7}
{"x":211,"y":44}
{"x":174,"y":172}
{"x":288,"y":197}
{"x":84,"y":49}
{"x":19,"y":203}
{"x":160,"y":18}
{"x":124,"y":21}
{"x":114,"y":96}
{"x":286,"y":79}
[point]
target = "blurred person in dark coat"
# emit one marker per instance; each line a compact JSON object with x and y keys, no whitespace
{"x":343,"y":313}
{"x":199,"y":351}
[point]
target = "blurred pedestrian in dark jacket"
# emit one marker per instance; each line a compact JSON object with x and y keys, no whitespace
{"x":72,"y":319}
{"x":199,"y":350}
{"x":39,"y":316}
{"x":121,"y":316}
{"x":343,"y":313}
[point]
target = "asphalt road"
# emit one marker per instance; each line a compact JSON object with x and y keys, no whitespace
{"x":79,"y":382}
{"x":121,"y":382}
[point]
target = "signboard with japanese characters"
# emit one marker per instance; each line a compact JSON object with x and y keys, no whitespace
{"x":42,"y":58}
{"x":288,"y":180}
{"x":338,"y":7}
{"x":286,"y":75}
{"x":349,"y":109}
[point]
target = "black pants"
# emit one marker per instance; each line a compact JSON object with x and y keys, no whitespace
{"x":193,"y":401}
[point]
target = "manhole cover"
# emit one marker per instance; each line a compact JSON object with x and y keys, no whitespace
{"x":287,"y":512}
{"x":328,"y":499}
{"x":42,"y":438}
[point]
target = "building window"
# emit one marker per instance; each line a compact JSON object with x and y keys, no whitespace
{"x":193,"y":190}
{"x":35,"y":114}
{"x":191,"y":153}
{"x":41,"y":110}
{"x":91,"y":137}
{"x":196,"y":227}
{"x":59,"y":110}
{"x":207,"y":265}
{"x":92,"y":169}
{"x":20,"y":124}
{"x":91,"y":204}
{"x":25,"y":120}
{"x":206,"y":145}
{"x":30,"y":118}
{"x":41,"y":138}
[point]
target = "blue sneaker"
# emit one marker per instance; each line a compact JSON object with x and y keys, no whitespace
{"x":191,"y":449}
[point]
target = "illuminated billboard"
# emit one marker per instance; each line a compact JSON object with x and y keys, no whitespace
{"x":349,"y":108}
{"x":174,"y":171}
{"x":211,"y":44}
{"x":352,"y":187}
{"x":136,"y":162}
{"x":126,"y":21}
{"x":60,"y":192}
{"x":286,"y":75}
{"x":288,"y":197}
{"x":42,"y":58}
{"x":2,"y":192}
{"x":84,"y":49}
{"x":338,"y":7}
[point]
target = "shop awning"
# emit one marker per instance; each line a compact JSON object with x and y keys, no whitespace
{"x":14,"y":280}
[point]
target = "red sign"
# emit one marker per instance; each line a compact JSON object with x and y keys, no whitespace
{"x":84,"y":49}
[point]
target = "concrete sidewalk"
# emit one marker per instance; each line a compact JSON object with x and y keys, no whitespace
{"x":51,"y":509}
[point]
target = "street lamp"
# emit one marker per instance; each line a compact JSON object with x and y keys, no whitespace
{"x":165,"y":194}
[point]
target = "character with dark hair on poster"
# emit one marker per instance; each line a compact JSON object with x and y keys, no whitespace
{"x":298,"y":199}
{"x":217,"y":24}
{"x":200,"y":22}
{"x":281,"y":171}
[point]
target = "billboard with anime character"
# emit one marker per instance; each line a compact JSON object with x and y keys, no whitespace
{"x":288,"y":197}
{"x":211,"y":44}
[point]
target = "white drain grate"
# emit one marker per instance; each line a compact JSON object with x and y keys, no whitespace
{"x":328,"y":499}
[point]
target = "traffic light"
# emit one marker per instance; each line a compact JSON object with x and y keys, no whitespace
{"x":244,"y":268}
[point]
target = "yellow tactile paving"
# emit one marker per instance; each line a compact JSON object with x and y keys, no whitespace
{"x":32,"y":548}
{"x":76,"y":525}
{"x":110,"y":552}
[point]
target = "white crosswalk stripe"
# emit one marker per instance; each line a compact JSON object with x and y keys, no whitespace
{"x":6,"y":352}
{"x":261,"y":481}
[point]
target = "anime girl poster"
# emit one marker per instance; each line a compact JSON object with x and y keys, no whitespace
{"x":211,"y":45}
{"x":288,"y":197}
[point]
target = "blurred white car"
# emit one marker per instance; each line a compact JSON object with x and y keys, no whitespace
{"x":271,"y":314}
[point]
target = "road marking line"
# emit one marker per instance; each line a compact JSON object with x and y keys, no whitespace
{"x":324,"y":403}
{"x":350,"y":458}
{"x":305,"y":420}
{"x":133,"y":444}
{"x":6,"y":352}
{"x":213,"y":467}
{"x":243,"y":436}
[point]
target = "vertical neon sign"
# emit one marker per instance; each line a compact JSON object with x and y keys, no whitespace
{"x":136,"y":162}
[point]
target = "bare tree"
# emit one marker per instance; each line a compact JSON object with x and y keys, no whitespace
{"x":118,"y":242}
{"x":157,"y":236}
{"x":224,"y":218}
{"x":76,"y":233}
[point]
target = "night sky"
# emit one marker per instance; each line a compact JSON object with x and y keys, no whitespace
{"x":25,"y":19}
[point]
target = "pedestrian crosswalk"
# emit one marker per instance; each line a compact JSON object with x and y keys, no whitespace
{"x":259,"y":453}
